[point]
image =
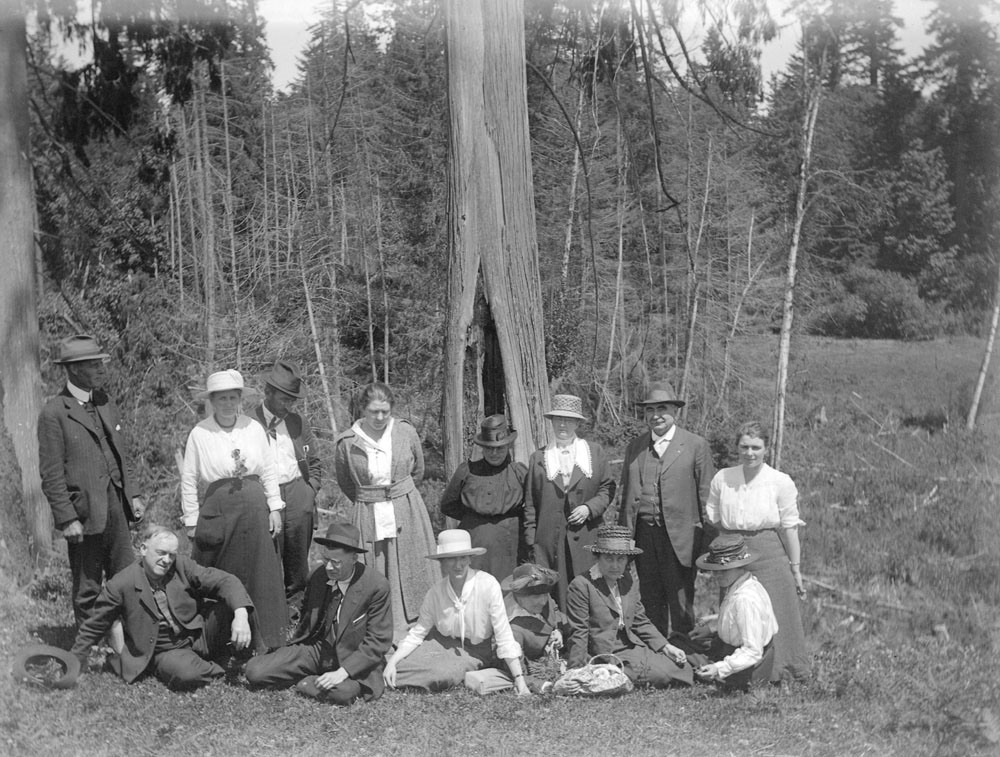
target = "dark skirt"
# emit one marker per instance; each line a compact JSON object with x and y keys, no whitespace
{"x":500,"y":535}
{"x":791,"y":659}
{"x":233,"y":535}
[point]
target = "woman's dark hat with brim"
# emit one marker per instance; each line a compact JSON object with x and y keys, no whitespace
{"x":530,"y":579}
{"x":78,"y":348}
{"x":660,"y":392}
{"x":284,"y":377}
{"x":725,"y":552}
{"x":38,"y":662}
{"x":614,"y":540}
{"x":494,"y":432}
{"x":343,"y":535}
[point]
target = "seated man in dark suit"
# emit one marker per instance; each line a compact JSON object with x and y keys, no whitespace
{"x":338,"y":651}
{"x":169,"y":630}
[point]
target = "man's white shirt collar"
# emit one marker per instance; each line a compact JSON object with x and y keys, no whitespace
{"x":79,"y":394}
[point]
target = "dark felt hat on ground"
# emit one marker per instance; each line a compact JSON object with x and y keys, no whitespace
{"x":47,"y":666}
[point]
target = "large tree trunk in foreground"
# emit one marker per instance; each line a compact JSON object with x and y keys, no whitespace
{"x":492,"y":221}
{"x":24,"y":514}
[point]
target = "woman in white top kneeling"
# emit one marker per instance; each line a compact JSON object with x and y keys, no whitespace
{"x":461,"y":618}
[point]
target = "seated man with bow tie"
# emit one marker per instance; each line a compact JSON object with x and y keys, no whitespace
{"x":338,"y":651}
{"x":159,"y":600}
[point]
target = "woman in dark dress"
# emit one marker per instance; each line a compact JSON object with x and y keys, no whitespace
{"x":486,"y":497}
{"x":568,"y":488}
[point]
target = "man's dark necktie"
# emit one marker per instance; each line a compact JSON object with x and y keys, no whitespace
{"x":272,"y":427}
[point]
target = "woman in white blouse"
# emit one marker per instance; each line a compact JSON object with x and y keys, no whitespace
{"x":240,"y":513}
{"x":461,"y":618}
{"x":379,"y":461}
{"x":760,"y":503}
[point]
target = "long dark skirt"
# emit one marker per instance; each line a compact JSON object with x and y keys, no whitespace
{"x":791,"y":659}
{"x":500,"y":535}
{"x":233,"y":535}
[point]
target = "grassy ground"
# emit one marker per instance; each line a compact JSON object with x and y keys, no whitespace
{"x":902,"y":552}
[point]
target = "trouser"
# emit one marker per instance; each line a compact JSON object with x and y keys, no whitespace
{"x":300,"y":665}
{"x":666,"y":586}
{"x":195,"y":661}
{"x":296,"y":538}
{"x":99,"y":556}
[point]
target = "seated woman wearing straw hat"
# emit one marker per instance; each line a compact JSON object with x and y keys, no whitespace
{"x":606,"y":616}
{"x":461,"y":617}
{"x":741,"y":649}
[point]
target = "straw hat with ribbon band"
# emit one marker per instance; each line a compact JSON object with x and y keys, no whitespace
{"x":725,"y":552}
{"x":78,"y":348}
{"x":614,"y":540}
{"x":530,"y":579}
{"x":454,"y":542}
{"x":495,"y":432}
{"x":342,"y":535}
{"x":284,"y":377}
{"x":566,"y":406}
{"x":223,"y":381}
{"x":660,"y":392}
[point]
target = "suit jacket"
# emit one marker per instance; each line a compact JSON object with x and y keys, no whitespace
{"x":686,"y":472}
{"x":305,"y":446}
{"x":128,"y":596}
{"x":593,"y":618}
{"x":72,"y":466}
{"x":547,"y":505}
{"x":364,"y":633}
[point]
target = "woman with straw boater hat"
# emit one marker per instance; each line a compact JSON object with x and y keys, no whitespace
{"x":461,"y":618}
{"x":740,"y":654}
{"x":606,"y":616}
{"x":486,"y":497}
{"x":233,"y":525}
{"x":569,"y":486}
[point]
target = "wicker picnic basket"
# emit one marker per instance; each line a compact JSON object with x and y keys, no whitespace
{"x":603,"y":676}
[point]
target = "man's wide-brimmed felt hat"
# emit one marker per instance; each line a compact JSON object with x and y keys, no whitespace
{"x":614,"y":540}
{"x":454,"y":542}
{"x":566,"y":406}
{"x":726,"y":551}
{"x":659,"y":392}
{"x":284,"y":377}
{"x":47,"y":666}
{"x":79,"y":347}
{"x":221,"y":381}
{"x":341,"y":534}
{"x":530,"y":579}
{"x":495,"y":432}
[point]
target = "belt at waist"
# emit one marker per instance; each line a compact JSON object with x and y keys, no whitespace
{"x":746,"y":532}
{"x":383,"y":493}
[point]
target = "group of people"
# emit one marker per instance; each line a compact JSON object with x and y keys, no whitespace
{"x":534,"y":577}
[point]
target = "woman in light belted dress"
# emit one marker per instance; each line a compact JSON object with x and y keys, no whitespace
{"x":378,"y":463}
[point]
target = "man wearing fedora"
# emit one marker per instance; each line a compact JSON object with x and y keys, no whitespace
{"x":299,"y":474}
{"x":85,"y":473}
{"x":338,"y":651}
{"x":665,"y":482}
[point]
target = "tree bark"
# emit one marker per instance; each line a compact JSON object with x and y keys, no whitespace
{"x":970,"y":422}
{"x":25,"y":521}
{"x":492,"y":221}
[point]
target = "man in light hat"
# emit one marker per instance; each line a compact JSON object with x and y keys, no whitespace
{"x":299,"y":474}
{"x":345,"y":631}
{"x":86,"y":476}
{"x":665,"y":482}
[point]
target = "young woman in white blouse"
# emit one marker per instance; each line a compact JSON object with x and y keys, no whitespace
{"x":760,"y":503}
{"x":233,"y":525}
{"x":461,"y":619}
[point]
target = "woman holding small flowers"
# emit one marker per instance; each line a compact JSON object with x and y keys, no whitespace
{"x":240,"y":511}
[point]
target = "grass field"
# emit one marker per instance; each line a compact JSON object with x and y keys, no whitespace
{"x":902,"y":557}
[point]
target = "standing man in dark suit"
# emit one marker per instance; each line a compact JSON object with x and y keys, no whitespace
{"x":338,"y":651}
{"x":665,"y":481}
{"x":85,"y":474}
{"x":157,"y":598}
{"x":299,"y":474}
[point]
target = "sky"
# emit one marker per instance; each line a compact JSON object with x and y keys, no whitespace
{"x":287,"y":23}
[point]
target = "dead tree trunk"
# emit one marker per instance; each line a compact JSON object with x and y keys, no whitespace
{"x":492,"y":221}
{"x":970,"y":422}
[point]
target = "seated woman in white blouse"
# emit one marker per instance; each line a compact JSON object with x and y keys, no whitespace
{"x":760,"y":504}
{"x":233,"y":525}
{"x":461,"y":617}
{"x":741,"y":654}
